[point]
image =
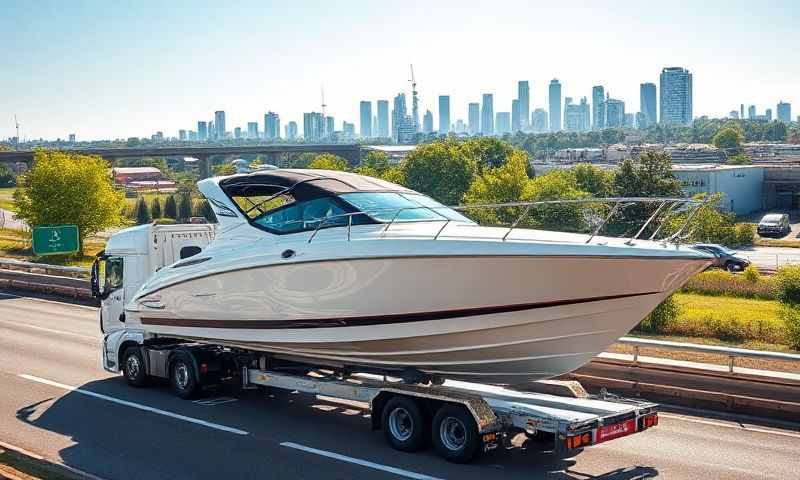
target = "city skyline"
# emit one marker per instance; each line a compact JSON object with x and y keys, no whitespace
{"x":148,"y":73}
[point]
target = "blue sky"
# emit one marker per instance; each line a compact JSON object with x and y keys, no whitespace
{"x":119,"y":69}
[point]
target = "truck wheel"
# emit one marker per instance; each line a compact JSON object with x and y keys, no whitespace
{"x":404,"y":424}
{"x":731,"y":267}
{"x":133,"y":367}
{"x":455,"y":434}
{"x":182,"y":378}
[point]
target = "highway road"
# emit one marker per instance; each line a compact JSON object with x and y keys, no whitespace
{"x":56,"y":401}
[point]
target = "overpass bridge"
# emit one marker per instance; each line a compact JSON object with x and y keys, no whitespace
{"x":349,"y":151}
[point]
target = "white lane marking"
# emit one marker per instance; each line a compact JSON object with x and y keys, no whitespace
{"x":43,"y":300}
{"x":363,"y":463}
{"x":49,"y":330}
{"x":728,"y":425}
{"x":138,"y":406}
{"x":211,"y":402}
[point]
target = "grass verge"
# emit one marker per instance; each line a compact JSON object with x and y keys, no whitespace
{"x":16,"y":244}
{"x":7,"y":199}
{"x":774,"y":242}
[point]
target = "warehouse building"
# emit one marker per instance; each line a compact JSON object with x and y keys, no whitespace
{"x":741,"y":186}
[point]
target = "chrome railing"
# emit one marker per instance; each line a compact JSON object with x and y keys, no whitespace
{"x":674,"y":205}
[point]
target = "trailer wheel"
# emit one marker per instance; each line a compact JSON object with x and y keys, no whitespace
{"x":455,"y":434}
{"x":404,"y":424}
{"x":133,"y":367}
{"x":182,"y":378}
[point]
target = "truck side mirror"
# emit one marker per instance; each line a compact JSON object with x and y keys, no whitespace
{"x":95,"y":282}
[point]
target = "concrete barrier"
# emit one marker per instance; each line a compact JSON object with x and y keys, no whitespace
{"x":66,"y":287}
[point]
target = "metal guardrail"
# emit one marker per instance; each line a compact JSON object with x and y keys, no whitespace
{"x":30,"y":267}
{"x":730,"y":352}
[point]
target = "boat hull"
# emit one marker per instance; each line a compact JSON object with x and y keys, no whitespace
{"x":493,"y":319}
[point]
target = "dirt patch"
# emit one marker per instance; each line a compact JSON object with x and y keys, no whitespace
{"x":16,"y":466}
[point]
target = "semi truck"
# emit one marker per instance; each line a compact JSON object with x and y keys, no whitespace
{"x":460,"y":419}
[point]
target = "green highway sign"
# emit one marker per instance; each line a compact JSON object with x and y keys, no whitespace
{"x":55,"y":240}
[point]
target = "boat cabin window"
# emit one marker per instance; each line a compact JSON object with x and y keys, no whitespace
{"x":401,"y":207}
{"x":304,"y":216}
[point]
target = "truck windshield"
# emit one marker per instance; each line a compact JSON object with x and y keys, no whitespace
{"x":401,"y":207}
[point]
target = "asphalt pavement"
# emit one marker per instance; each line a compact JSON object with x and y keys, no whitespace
{"x":56,"y":401}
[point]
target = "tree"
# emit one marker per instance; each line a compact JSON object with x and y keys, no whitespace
{"x":649,"y":175}
{"x":171,"y":207}
{"x":438,"y":169}
{"x":507,"y":183}
{"x":155,"y":208}
{"x":556,"y":185}
{"x":67,"y":188}
{"x":328,"y":161}
{"x":223,"y":169}
{"x":728,"y":138}
{"x":204,"y":210}
{"x":142,"y":212}
{"x":184,"y":206}
{"x":7,"y":177}
{"x":486,"y":152}
{"x":375,"y":164}
{"x":739,"y":159}
{"x":301,"y":160}
{"x":593,"y":180}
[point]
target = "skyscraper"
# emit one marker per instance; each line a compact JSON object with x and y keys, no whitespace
{"x":291,"y":130}
{"x":539,"y":120}
{"x":383,"y":118}
{"x":219,"y":124}
{"x":444,"y":114}
{"x":181,"y":135}
{"x":365,"y":124}
{"x":576,"y":115}
{"x":647,"y":104}
{"x":751,"y":112}
{"x":768,"y":114}
{"x":348,"y":130}
{"x":515,"y":120}
{"x":487,"y":114}
{"x":328,"y":127}
{"x":398,"y":114}
{"x":784,"y":112}
{"x":741,"y":111}
{"x":676,"y":96}
{"x":503,"y":123}
{"x":524,"y":114}
{"x":237,"y":133}
{"x":427,"y":122}
{"x":272,"y":126}
{"x":474,"y":119}
{"x":555,"y":105}
{"x":312,"y":126}
{"x":598,"y":107}
{"x":252,"y":130}
{"x":615,"y":113}
{"x":202,"y":131}
{"x":734,"y":114}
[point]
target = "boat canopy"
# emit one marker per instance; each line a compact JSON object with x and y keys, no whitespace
{"x":304,"y":184}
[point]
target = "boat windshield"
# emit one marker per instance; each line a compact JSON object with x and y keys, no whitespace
{"x":401,"y":207}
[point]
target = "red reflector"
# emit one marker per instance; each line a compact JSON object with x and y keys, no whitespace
{"x":203,"y":368}
{"x":586,"y":439}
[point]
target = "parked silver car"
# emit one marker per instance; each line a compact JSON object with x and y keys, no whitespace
{"x":774,"y":224}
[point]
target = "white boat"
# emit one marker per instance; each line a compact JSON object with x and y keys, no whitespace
{"x":339,"y":269}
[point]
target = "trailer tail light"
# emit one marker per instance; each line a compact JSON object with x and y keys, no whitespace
{"x":649,"y":421}
{"x":578,"y":441}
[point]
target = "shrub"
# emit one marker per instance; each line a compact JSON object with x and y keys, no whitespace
{"x":790,"y":314}
{"x":719,"y":282}
{"x":171,"y":207}
{"x":751,"y":274}
{"x":745,"y":233}
{"x":155,"y":208}
{"x":665,"y":313}
{"x":142,"y":211}
{"x":185,"y":206}
{"x":787,"y":282}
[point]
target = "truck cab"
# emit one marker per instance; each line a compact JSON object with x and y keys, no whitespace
{"x":132,"y":255}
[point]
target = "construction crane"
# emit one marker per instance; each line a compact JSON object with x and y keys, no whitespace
{"x":16,"y":123}
{"x":324,"y":120}
{"x":414,"y":100}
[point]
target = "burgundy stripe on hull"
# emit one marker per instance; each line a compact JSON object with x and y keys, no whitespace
{"x":374,"y":319}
